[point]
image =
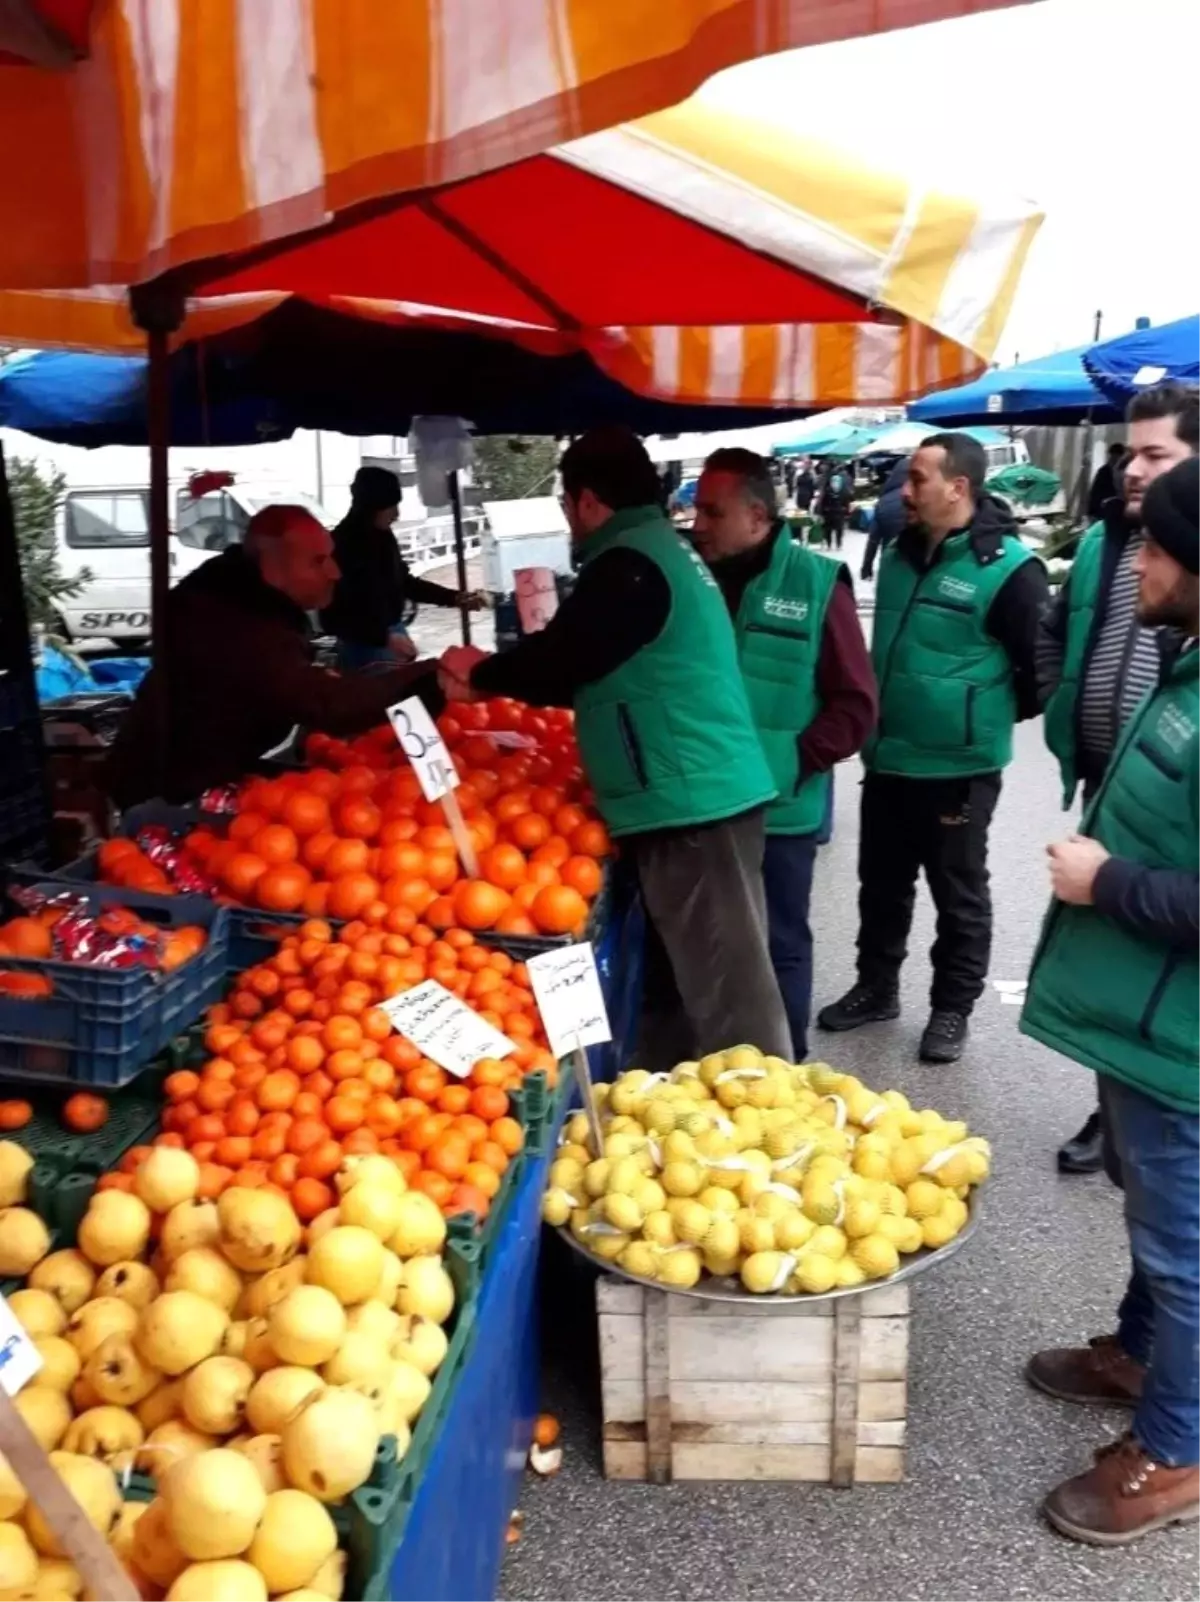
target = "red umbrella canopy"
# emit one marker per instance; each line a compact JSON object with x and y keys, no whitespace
{"x":545,"y":242}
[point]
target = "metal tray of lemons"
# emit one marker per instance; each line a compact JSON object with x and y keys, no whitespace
{"x":745,"y":1177}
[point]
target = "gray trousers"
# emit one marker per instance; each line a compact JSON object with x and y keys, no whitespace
{"x":708,"y":981}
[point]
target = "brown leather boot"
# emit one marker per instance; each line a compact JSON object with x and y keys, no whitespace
{"x":1124,"y":1497}
{"x":1099,"y":1373}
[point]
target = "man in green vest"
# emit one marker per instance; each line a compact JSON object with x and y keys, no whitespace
{"x":1114,"y":986}
{"x":810,"y":683}
{"x":1096,"y":660}
{"x":644,"y":651}
{"x":956,"y":611}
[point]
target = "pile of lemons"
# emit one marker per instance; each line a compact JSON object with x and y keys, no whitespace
{"x":797,"y":1179}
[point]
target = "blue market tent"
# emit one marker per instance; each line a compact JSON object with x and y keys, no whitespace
{"x":1052,"y":389}
{"x":304,"y":366}
{"x":1121,"y":367}
{"x":901,"y":439}
{"x":818,"y":437}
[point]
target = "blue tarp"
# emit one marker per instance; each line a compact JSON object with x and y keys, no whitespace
{"x":305,"y":366}
{"x":58,"y":674}
{"x":1121,"y":367}
{"x":1050,"y":390}
{"x":901,"y":439}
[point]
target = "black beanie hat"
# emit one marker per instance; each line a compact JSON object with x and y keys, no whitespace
{"x":375,"y":488}
{"x":1171,"y":513}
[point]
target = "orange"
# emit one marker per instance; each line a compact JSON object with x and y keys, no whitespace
{"x":275,"y":843}
{"x":345,"y":856}
{"x":181,"y":1085}
{"x":317,"y":847}
{"x":482,"y":1177}
{"x":440,"y":913}
{"x":435,"y":836}
{"x":282,"y":888}
{"x":567,"y":819}
{"x":441,"y":869}
{"x":558,"y":909}
{"x":246,"y":825}
{"x":358,"y":818}
{"x":306,"y":1133}
{"x":477,"y":904}
{"x":582,"y":874}
{"x":467,"y":1198}
{"x":554,"y":850}
{"x":489,"y":1103}
{"x":242,"y":872}
{"x":591,"y":839}
{"x":322,"y":1159}
{"x":436,"y":1186}
{"x":311,"y":1197}
{"x":305,"y":813}
{"x":350,"y":892}
{"x":284,"y":1170}
{"x":515,"y":922}
{"x":503,"y":865}
{"x":528,"y":830}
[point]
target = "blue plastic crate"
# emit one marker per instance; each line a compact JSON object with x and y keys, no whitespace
{"x":102,"y":1026}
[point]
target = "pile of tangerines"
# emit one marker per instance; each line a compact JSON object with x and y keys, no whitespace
{"x":305,"y":1069}
{"x":353,"y":838}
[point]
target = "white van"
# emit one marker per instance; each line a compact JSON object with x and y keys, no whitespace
{"x":104,"y":532}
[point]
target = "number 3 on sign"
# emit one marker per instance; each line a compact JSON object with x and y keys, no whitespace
{"x":424,"y":747}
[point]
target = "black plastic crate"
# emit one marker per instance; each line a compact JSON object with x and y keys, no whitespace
{"x":102,"y":1026}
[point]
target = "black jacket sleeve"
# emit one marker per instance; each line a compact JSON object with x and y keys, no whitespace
{"x":1052,"y":640}
{"x":1156,"y":903}
{"x":619,"y":605}
{"x":424,"y":590}
{"x":1013,"y":619}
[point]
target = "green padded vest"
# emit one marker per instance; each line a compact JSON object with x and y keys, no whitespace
{"x":946,"y":700}
{"x":667,"y":738}
{"x":779,"y":627}
{"x":1061,"y":711}
{"x":1118,"y":1002}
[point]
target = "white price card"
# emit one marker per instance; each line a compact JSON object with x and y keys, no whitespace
{"x":537,"y":597}
{"x":446,"y":1030}
{"x":566,"y":986}
{"x":20,"y":1359}
{"x":424,"y":747}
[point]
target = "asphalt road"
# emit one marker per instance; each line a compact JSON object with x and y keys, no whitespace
{"x":1046,"y":1268}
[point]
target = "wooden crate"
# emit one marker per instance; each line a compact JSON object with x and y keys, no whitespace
{"x":712,"y":1390}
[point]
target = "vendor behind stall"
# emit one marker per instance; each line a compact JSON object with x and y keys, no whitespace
{"x":644,"y":651}
{"x":240,"y":675}
{"x":810,"y":682}
{"x":367,"y":609}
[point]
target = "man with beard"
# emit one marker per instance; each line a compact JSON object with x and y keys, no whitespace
{"x":1096,"y":659}
{"x":1114,"y":986}
{"x":956,"y":612}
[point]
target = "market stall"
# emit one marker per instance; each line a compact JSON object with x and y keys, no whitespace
{"x":389,"y":897}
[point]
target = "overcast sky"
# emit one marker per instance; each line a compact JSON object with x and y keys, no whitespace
{"x":1086,"y":106}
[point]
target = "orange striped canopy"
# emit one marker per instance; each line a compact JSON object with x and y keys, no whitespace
{"x":192,"y":128}
{"x":696,"y":256}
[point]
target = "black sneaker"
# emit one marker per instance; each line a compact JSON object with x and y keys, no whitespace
{"x":945,"y":1036}
{"x":1084,"y":1152}
{"x":862,"y":1004}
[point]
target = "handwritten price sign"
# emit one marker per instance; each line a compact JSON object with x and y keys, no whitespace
{"x":439,"y":1025}
{"x":424,"y":747}
{"x":567,"y":988}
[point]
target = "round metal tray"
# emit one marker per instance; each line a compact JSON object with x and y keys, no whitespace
{"x":732,"y":1290}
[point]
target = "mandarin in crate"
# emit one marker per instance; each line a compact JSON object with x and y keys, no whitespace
{"x":558,"y":909}
{"x":478,"y":904}
{"x":282,"y":888}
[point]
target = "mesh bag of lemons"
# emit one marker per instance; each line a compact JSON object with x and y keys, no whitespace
{"x":795,"y":1179}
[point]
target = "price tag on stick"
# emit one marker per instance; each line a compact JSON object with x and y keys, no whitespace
{"x":434,"y":767}
{"x":567,"y":988}
{"x":446,"y":1030}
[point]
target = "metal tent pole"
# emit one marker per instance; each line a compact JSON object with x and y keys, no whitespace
{"x":158,"y":309}
{"x":460,"y":551}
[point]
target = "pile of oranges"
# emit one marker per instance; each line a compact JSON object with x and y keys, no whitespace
{"x":304,"y":1070}
{"x":354,"y":838}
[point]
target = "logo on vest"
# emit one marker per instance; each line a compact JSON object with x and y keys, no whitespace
{"x":957,"y":589}
{"x":782,"y":607}
{"x":1174,"y":728}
